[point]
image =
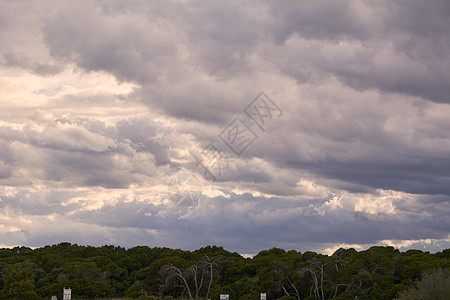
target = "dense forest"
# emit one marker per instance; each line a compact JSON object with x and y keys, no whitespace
{"x":162,"y":273}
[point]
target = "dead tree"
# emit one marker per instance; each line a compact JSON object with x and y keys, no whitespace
{"x":174,"y":272}
{"x":317,"y":276}
{"x":210,"y":265}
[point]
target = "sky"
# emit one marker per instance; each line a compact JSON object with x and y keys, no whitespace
{"x":249,"y":125}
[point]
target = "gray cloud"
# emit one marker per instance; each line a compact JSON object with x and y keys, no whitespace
{"x":244,"y":217}
{"x":117,"y":97}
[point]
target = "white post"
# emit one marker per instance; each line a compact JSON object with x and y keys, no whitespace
{"x":67,"y":294}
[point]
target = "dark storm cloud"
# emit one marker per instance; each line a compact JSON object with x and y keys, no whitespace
{"x":394,"y":54}
{"x":113,"y":42}
{"x":422,"y":176}
{"x":325,"y":20}
{"x":255,"y":221}
{"x":394,"y":51}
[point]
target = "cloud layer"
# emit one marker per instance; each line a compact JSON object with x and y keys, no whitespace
{"x":104,"y":104}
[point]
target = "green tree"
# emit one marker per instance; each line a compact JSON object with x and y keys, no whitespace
{"x":19,"y":282}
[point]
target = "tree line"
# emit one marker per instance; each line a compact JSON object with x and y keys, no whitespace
{"x":162,"y":273}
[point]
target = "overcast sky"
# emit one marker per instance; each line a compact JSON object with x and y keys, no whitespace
{"x":111,"y":111}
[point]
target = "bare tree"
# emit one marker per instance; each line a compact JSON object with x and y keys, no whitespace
{"x":296,"y":294}
{"x":198,"y":285}
{"x":193,"y":278}
{"x":316,"y":270}
{"x":174,"y":272}
{"x":339,"y":258}
{"x":211,"y":266}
